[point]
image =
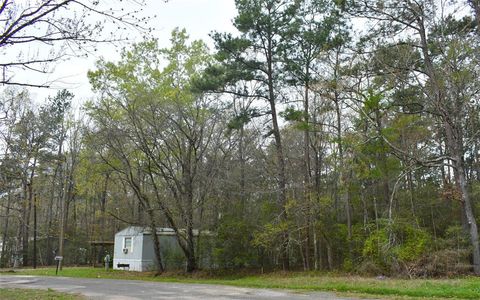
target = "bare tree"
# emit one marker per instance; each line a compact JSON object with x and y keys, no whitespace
{"x":36,"y":34}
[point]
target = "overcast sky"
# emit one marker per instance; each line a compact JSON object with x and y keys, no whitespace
{"x":198,"y":17}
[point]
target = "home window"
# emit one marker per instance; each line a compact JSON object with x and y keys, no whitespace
{"x":127,"y":244}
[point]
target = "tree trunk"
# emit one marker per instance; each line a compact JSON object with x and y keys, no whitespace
{"x":3,"y":259}
{"x":242,"y":170}
{"x":35,"y":231}
{"x":341,"y":174}
{"x":467,"y":206}
{"x":184,"y":239}
{"x":61,"y":225}
{"x":191,"y":259}
{"x":49,"y":221}
{"x":308,"y":242}
{"x":365,"y":210}
{"x":281,"y":173}
{"x":156,"y":242}
{"x":302,"y":252}
{"x":306,"y":160}
{"x":316,"y":245}
{"x":50,"y":214}
{"x":188,"y":178}
{"x":455,"y":147}
{"x":25,"y":224}
{"x":103,"y":217}
{"x":18,"y":245}
{"x":329,"y":256}
{"x":28,"y":189}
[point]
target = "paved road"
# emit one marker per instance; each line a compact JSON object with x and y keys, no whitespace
{"x":132,"y":289}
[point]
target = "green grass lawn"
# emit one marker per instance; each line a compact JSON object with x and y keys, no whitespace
{"x":461,"y":288}
{"x":26,"y":294}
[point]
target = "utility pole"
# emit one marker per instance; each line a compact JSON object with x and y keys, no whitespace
{"x":35,"y":231}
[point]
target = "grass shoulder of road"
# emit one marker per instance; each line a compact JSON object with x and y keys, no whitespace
{"x":28,"y":294}
{"x":457,"y":288}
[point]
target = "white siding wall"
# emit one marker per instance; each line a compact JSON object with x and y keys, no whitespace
{"x":135,"y":264}
{"x":134,"y":255}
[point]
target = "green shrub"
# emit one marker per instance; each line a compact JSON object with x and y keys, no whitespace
{"x":233,"y":244}
{"x":394,"y":247}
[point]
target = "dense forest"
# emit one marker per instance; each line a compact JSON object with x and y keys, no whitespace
{"x":322,"y":135}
